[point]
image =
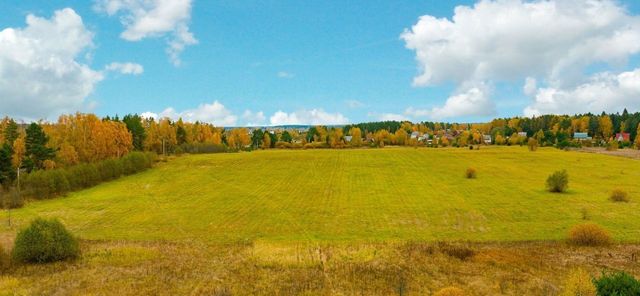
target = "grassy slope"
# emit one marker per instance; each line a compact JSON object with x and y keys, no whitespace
{"x":354,"y":195}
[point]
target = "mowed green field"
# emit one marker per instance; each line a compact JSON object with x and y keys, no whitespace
{"x":392,"y":194}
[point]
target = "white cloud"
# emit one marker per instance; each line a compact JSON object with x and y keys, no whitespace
{"x":530,"y":86}
{"x":286,"y":75}
{"x":511,"y":40}
{"x":253,"y":118}
{"x":125,"y":68}
{"x":472,"y":102}
{"x":354,"y":104}
{"x":154,"y":18}
{"x":312,"y":117}
{"x":604,"y":91}
{"x":214,"y":113}
{"x":149,"y":115}
{"x":40,"y":72}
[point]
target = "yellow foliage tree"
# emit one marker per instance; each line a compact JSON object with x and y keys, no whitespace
{"x":401,"y":137}
{"x":238,"y":138}
{"x":19,"y":151}
{"x":89,"y":137}
{"x":266,"y":141}
{"x":356,"y":136}
{"x":605,"y":127}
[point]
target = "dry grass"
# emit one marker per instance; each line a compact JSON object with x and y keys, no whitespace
{"x":589,"y":234}
{"x":163,"y":268}
{"x":450,"y":291}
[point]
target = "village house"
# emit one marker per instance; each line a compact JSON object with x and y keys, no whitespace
{"x":486,"y":139}
{"x":623,"y":137}
{"x":581,"y":136}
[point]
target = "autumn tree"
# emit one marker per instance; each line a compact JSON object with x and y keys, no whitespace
{"x":444,"y":141}
{"x":605,"y":127}
{"x":336,"y":138}
{"x":238,"y":138}
{"x":401,"y":137}
{"x":266,"y":141}
{"x":356,"y":136}
{"x":161,"y":136}
{"x":499,"y":139}
{"x":19,"y":151}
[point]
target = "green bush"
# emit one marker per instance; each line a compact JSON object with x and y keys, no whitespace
{"x":617,"y":284}
{"x":558,"y":181}
{"x":45,"y":241}
{"x":50,"y":183}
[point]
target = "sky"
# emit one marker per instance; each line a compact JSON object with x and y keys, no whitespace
{"x":239,"y":63}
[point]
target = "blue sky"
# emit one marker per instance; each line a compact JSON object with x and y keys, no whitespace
{"x":308,"y":58}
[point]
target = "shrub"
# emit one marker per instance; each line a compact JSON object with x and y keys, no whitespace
{"x":532,"y":144}
{"x":450,"y":291}
{"x":612,"y":146}
{"x":579,"y":283}
{"x":619,"y":283}
{"x":45,"y":241}
{"x":589,"y":234}
{"x":558,"y":181}
{"x":471,"y":173}
{"x":619,"y":195}
{"x":457,"y":251}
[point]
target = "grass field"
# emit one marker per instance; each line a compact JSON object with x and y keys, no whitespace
{"x":361,"y":195}
{"x":326,"y":222}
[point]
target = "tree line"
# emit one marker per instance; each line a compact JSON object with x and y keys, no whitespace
{"x":77,"y":139}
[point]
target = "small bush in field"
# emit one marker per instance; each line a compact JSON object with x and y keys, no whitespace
{"x":471,"y":173}
{"x":450,"y":291}
{"x":619,"y":195}
{"x":532,"y":144}
{"x":457,"y":251}
{"x":579,"y":282}
{"x":589,"y":234}
{"x":558,"y":181}
{"x":45,"y":241}
{"x":619,"y":283}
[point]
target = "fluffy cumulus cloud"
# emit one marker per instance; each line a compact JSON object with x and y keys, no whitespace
{"x":214,"y":113}
{"x":472,"y":102}
{"x":251,"y":118}
{"x":312,"y":117}
{"x":154,"y":18}
{"x":125,"y":68}
{"x":41,"y":74}
{"x":519,"y":41}
{"x":604,"y":91}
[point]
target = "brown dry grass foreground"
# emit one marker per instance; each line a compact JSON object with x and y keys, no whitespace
{"x":163,"y":268}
